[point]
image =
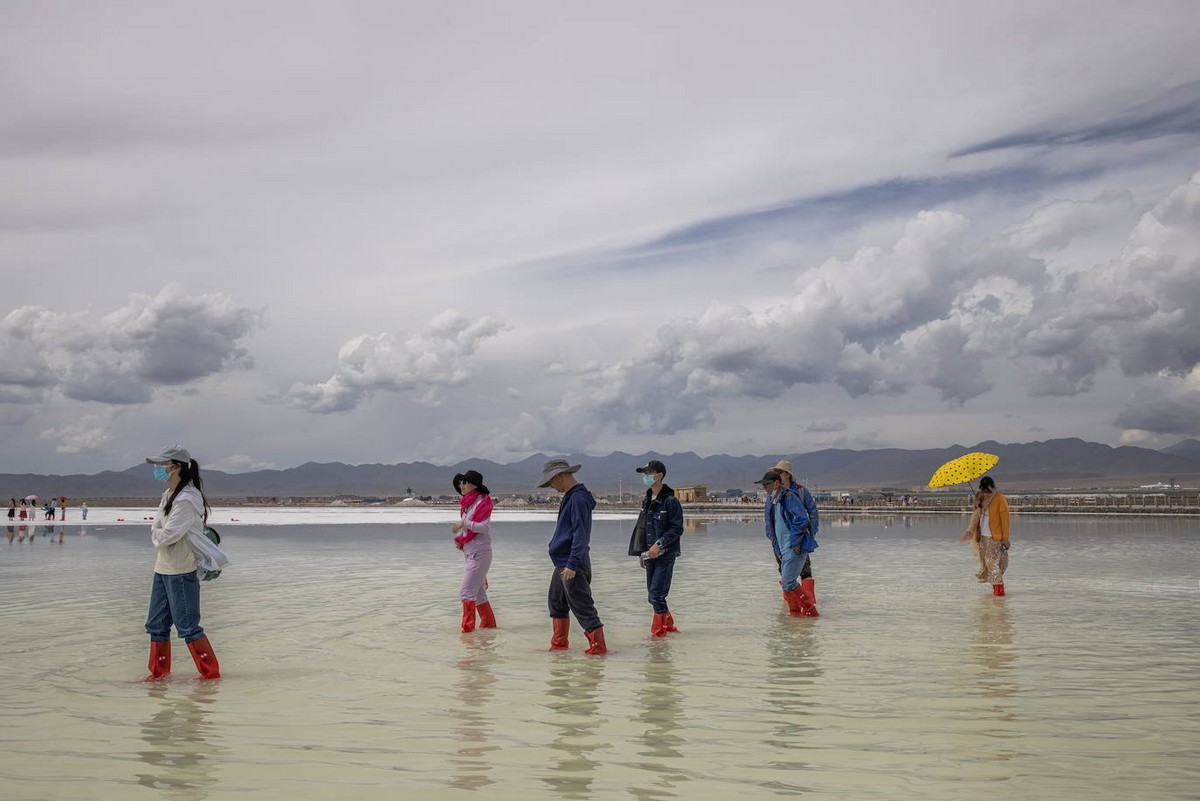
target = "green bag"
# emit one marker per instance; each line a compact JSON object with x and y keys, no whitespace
{"x":212,"y":534}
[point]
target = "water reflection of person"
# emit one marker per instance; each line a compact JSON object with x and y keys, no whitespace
{"x":179,"y":740}
{"x":12,"y":532}
{"x":476,"y":723}
{"x":993,"y":650}
{"x":661,"y":704}
{"x":793,"y":670}
{"x":572,"y":698}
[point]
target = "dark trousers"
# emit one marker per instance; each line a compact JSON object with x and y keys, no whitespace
{"x":805,"y":572}
{"x":573,"y":596}
{"x":658,"y":582}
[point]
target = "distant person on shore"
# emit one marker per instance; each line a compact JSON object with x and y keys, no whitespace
{"x":12,"y":509}
{"x":993,"y":518}
{"x":787,"y":527}
{"x":24,"y":513}
{"x":83,"y":510}
{"x":655,"y":542}
{"x":175,"y":590}
{"x":473,"y":536}
{"x":48,"y":510}
{"x":62,"y":508}
{"x":784,"y":469}
{"x":570,"y":551}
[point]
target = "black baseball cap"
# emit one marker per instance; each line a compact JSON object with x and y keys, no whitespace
{"x":653,"y":466}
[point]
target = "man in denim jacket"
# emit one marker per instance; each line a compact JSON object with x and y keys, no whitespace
{"x":662,"y":522}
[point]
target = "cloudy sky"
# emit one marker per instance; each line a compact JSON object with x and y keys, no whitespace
{"x":380,"y":232}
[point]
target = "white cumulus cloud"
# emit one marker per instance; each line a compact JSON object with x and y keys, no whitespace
{"x":425,"y":362}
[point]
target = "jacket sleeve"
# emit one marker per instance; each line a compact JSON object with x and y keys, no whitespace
{"x":814,"y":517}
{"x":998,"y":516}
{"x":581,"y":537}
{"x":770,"y":529}
{"x":795,"y":516}
{"x":674,"y":528}
{"x":184,"y":516}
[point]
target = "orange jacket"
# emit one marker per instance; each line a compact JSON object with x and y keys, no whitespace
{"x":997,"y":512}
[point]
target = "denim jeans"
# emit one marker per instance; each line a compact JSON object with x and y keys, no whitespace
{"x":574,"y":595}
{"x":658,"y":582}
{"x":174,"y":600}
{"x":789,"y":571}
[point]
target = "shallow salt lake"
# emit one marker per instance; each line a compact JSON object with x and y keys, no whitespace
{"x":345,"y":675}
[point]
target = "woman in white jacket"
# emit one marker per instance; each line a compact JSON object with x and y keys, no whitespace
{"x":175,"y":591}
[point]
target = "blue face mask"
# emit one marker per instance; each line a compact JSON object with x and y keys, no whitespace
{"x":161,"y":473}
{"x":648,"y":479}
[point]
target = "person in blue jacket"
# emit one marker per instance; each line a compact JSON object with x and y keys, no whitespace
{"x":789,"y":529}
{"x":655,"y":542}
{"x":788,"y":477}
{"x":570,"y":551}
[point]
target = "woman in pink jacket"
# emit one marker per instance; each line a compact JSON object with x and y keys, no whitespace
{"x":474,"y":538}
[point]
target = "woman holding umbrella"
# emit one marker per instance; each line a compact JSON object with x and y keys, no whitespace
{"x":993,"y":516}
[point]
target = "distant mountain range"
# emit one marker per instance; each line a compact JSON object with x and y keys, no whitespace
{"x":1044,"y":465}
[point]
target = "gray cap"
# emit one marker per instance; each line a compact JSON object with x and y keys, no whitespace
{"x":770,"y":476}
{"x":171,"y":453}
{"x":553,"y":467}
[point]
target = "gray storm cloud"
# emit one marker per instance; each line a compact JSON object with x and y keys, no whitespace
{"x":425,"y":361}
{"x":932,"y":310}
{"x":168,"y":339}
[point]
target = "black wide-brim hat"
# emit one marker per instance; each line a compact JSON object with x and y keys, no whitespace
{"x":476,"y":478}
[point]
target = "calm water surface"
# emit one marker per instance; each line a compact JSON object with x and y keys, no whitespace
{"x":345,"y":675}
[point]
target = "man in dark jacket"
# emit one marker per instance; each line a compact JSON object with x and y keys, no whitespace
{"x":570,"y":551}
{"x":656,"y":543}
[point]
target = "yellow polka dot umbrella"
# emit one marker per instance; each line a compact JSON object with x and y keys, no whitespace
{"x":964,"y":469}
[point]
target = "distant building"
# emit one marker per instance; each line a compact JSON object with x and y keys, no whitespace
{"x":693,"y":494}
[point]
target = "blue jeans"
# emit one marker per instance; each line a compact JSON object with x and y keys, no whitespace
{"x":789,"y":571}
{"x":174,"y":600}
{"x":658,"y":582}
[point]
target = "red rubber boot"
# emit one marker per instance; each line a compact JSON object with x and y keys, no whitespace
{"x":810,"y":588}
{"x":160,"y":660}
{"x":558,"y":639}
{"x":799,"y":604}
{"x":669,"y":620}
{"x":468,"y":617}
{"x":997,"y":589}
{"x":205,"y":658}
{"x":596,"y":644}
{"x":658,"y":626}
{"x":487,"y":618}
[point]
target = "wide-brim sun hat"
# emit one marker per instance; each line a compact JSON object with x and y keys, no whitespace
{"x":785,"y":466}
{"x":476,"y":478}
{"x":553,"y":467}
{"x":171,"y":453}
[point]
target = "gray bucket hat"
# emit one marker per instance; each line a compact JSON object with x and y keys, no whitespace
{"x":171,"y":453}
{"x":553,"y":467}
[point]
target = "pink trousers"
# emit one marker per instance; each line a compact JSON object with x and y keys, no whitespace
{"x":474,"y":583}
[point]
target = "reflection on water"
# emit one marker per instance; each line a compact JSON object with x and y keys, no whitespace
{"x":572,"y":702}
{"x":346,"y":676}
{"x":659,"y":699}
{"x":474,"y":693}
{"x":695,"y":525}
{"x":993,"y":649}
{"x":180,"y":740}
